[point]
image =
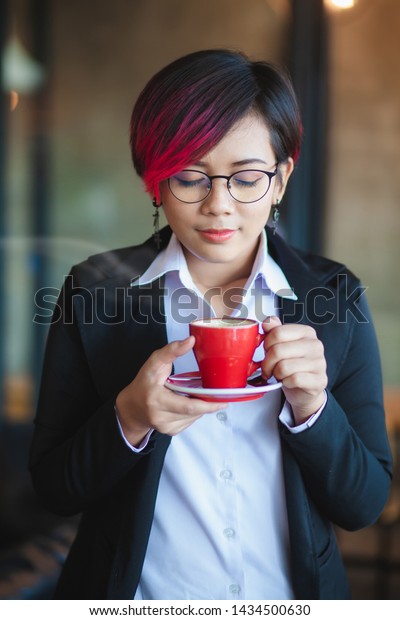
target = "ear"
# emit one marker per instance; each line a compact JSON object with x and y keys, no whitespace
{"x":285,"y":169}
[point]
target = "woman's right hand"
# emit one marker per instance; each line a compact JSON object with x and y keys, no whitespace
{"x":146,"y":404}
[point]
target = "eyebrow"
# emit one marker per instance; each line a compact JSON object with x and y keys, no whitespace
{"x":242,"y":162}
{"x":253,"y":160}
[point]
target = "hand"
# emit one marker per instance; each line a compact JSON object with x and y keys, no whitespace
{"x":146,"y":404}
{"x":295,"y":356}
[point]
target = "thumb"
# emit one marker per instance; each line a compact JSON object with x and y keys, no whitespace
{"x":164,"y":358}
{"x":270,"y":323}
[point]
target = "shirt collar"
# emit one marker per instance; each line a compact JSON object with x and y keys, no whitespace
{"x":170,"y":259}
{"x":269,"y":271}
{"x":173,"y":259}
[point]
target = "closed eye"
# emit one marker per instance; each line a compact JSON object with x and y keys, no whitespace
{"x":244,"y":183}
{"x":247,"y":179}
{"x":190,"y":179}
{"x":185,"y":183}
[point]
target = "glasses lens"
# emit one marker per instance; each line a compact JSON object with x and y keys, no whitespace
{"x":249,"y":185}
{"x":189,"y":186}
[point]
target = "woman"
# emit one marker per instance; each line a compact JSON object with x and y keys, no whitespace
{"x":183,"y":498}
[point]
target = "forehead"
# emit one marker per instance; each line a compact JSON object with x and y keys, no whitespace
{"x":249,"y":139}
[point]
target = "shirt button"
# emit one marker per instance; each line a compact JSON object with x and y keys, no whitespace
{"x":225,"y":474}
{"x":221,"y":416}
{"x":234,"y":588}
{"x":229,"y":532}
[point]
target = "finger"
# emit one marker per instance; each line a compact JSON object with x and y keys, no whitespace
{"x":160,"y":362}
{"x":306,"y":352}
{"x":177,"y":348}
{"x":181,"y":412}
{"x":288,"y":368}
{"x":270,"y":323}
{"x":177,"y":426}
{"x":288,"y":332}
{"x":184,"y":405}
{"x":304,"y":348}
{"x":308,"y":382}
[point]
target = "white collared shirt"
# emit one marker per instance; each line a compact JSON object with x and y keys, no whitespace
{"x":220,"y":523}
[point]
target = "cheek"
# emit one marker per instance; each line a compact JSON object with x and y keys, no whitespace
{"x":257,"y":218}
{"x":176,"y":217}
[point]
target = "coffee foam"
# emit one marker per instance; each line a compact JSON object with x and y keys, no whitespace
{"x":224,"y":323}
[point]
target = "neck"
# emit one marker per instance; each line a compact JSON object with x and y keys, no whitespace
{"x":223,"y":275}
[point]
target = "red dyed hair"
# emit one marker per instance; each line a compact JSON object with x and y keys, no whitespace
{"x":191,"y":104}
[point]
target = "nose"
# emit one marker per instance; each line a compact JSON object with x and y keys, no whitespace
{"x":219,"y":200}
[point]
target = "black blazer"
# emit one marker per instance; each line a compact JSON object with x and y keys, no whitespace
{"x":336,"y":472}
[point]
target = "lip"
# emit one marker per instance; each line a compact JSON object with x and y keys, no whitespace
{"x":218,"y":235}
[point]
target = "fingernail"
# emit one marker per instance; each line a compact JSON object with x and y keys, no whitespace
{"x":271,"y":319}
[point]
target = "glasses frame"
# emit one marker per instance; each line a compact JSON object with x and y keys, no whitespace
{"x":270,"y":175}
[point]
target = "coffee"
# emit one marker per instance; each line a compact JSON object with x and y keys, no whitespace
{"x":224,"y":323}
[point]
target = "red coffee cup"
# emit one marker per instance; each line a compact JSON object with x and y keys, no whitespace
{"x":224,"y":349}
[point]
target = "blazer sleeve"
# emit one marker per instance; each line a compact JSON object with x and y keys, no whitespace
{"x":345,"y":457}
{"x":77,"y":454}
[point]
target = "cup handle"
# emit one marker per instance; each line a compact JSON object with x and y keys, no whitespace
{"x":253,"y":366}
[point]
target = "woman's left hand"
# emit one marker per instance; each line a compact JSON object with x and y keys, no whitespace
{"x":295,"y":356}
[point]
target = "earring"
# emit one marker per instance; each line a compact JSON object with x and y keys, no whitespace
{"x":156,"y":224}
{"x":275,"y":215}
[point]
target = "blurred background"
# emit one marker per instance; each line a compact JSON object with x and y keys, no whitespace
{"x":70,"y":73}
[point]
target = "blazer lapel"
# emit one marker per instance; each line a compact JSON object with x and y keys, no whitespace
{"x":319,"y":299}
{"x":316,"y":305}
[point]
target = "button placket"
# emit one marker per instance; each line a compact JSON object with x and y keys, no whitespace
{"x":226,"y":474}
{"x":222,"y":416}
{"x":229,"y":534}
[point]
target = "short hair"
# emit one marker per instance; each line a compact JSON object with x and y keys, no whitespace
{"x":191,"y":104}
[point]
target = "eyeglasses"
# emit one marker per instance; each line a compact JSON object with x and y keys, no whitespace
{"x":244,"y":186}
